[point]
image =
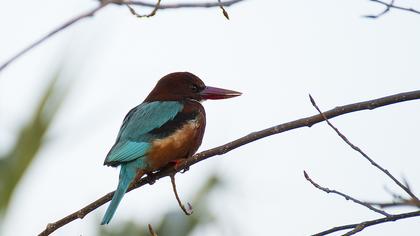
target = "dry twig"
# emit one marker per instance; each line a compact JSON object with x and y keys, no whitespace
{"x":188,"y":211}
{"x":223,"y":10}
{"x":354,"y":147}
{"x":362,"y":225}
{"x":388,"y":7}
{"x":151,"y":231}
{"x":193,"y":4}
{"x":148,"y":15}
{"x":101,"y":5}
{"x":303,"y":122}
{"x":87,"y":14}
{"x":347,"y":197}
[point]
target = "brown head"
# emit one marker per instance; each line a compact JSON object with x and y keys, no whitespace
{"x":180,"y":86}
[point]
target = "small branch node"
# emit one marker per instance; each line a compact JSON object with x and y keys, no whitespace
{"x":80,"y":215}
{"x":388,"y":7}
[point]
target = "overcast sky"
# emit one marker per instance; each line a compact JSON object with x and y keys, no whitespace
{"x":275,"y":52}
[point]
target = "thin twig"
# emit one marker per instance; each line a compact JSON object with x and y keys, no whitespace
{"x":193,"y":4}
{"x":151,"y":231}
{"x":354,"y":147}
{"x":389,"y":6}
{"x":188,"y":211}
{"x":101,"y":5}
{"x":398,"y":201}
{"x":404,"y":202}
{"x":89,"y":13}
{"x":303,"y":122}
{"x":225,"y":13}
{"x":362,"y":225}
{"x":147,"y":15}
{"x":396,"y":196}
{"x":347,"y":197}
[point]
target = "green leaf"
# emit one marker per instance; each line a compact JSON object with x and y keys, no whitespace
{"x":29,"y":141}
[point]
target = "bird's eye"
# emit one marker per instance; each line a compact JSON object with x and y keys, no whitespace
{"x":194,"y":88}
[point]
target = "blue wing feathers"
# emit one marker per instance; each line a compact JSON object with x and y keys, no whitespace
{"x":133,"y":143}
{"x":127,"y":151}
{"x":134,"y":140}
{"x":148,"y":116}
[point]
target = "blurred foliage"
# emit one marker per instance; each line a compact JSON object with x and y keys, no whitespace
{"x":29,"y":141}
{"x":172,"y":223}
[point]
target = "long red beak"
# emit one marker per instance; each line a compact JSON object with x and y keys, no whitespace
{"x":218,"y":93}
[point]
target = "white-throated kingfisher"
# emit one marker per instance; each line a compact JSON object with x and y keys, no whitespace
{"x":167,"y":127}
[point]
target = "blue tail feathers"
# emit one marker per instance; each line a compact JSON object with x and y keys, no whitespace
{"x":127,"y":175}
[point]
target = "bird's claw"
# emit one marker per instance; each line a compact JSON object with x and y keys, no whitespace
{"x":151,"y":179}
{"x":185,"y":170}
{"x":178,"y":164}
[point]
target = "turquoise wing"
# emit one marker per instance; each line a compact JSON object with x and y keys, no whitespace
{"x":134,"y":140}
{"x":147,"y":117}
{"x":126,"y":151}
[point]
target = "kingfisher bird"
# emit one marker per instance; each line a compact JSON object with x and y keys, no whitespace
{"x":166,"y":128}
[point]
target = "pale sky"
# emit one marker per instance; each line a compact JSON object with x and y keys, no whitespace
{"x":276,"y":53}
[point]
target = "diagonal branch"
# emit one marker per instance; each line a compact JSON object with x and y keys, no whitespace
{"x":398,"y":200}
{"x":101,"y":5}
{"x":303,"y":122}
{"x":354,"y":147}
{"x":225,"y":13}
{"x":389,"y":6}
{"x":151,"y":231}
{"x":87,"y":14}
{"x":404,"y":202}
{"x":386,"y":10}
{"x":355,"y":228}
{"x":347,"y":197}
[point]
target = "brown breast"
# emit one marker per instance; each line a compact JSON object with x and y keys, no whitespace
{"x":181,"y":144}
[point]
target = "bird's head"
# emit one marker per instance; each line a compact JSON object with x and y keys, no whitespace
{"x":184,"y":85}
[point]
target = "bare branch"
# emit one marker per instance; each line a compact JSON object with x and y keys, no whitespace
{"x":405,"y":202}
{"x":225,"y":13}
{"x":101,"y":5}
{"x":347,"y":197}
{"x":148,"y":15}
{"x":188,"y":211}
{"x":354,"y":147}
{"x":89,"y":13}
{"x":362,"y":225}
{"x":304,"y":122}
{"x":185,"y":5}
{"x":388,"y":7}
{"x":398,"y":200}
{"x":151,"y":231}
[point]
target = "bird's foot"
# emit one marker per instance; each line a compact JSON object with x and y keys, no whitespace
{"x":151,"y":178}
{"x":178,"y":165}
{"x":185,"y":170}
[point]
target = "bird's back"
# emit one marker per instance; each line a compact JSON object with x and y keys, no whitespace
{"x":159,"y":132}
